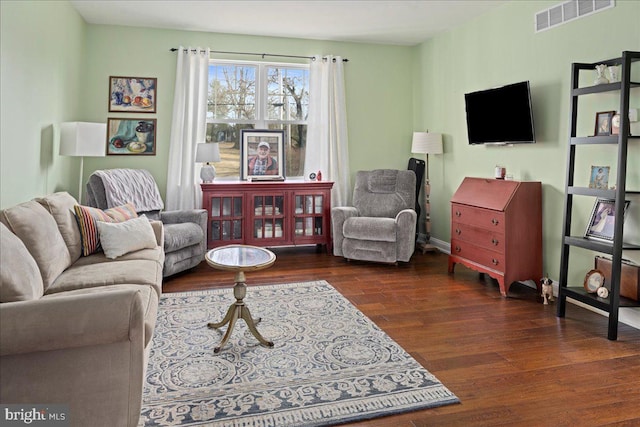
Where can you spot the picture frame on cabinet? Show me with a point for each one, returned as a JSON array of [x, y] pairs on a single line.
[[132, 94], [602, 220], [599, 177], [603, 123], [262, 154]]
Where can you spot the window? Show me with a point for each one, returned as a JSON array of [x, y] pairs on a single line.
[[255, 95]]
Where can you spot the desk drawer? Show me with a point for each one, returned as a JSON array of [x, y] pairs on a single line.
[[478, 217], [488, 258], [489, 239]]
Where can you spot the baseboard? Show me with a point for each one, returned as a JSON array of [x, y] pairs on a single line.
[[628, 315]]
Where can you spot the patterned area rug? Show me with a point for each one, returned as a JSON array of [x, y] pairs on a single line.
[[330, 363]]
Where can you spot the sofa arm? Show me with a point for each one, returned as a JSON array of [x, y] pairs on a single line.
[[339, 215], [158, 231], [59, 322], [406, 234]]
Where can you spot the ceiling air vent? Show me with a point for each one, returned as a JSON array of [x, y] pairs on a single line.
[[568, 11]]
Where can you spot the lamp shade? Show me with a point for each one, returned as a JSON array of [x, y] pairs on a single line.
[[83, 139], [207, 152], [426, 143]]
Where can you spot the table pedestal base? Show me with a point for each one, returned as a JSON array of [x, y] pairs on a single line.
[[238, 310]]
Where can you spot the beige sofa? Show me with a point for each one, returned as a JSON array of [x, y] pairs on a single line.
[[74, 330]]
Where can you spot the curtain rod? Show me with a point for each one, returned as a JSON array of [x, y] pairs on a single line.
[[173, 49]]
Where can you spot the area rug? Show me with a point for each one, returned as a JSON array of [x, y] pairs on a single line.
[[330, 363]]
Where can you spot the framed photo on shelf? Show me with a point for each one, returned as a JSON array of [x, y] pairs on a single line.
[[262, 154], [603, 123], [602, 220], [131, 136], [615, 125], [599, 177], [132, 94]]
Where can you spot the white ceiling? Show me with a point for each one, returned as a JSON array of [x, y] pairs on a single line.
[[396, 22]]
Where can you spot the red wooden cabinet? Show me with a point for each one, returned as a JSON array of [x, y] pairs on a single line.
[[496, 228], [268, 213]]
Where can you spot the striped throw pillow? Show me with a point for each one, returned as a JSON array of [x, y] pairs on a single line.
[[87, 217]]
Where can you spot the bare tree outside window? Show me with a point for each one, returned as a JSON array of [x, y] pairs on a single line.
[[239, 100]]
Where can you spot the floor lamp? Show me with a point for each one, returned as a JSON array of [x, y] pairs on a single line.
[[426, 143], [82, 139]]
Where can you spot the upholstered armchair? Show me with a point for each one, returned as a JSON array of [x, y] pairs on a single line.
[[381, 224], [185, 231]]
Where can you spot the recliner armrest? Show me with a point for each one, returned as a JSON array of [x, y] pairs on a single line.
[[406, 232], [199, 216], [72, 321], [339, 215]]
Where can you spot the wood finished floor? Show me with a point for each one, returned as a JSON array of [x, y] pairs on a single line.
[[510, 361]]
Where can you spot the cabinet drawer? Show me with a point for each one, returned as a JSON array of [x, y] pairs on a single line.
[[489, 239], [482, 256], [478, 217]]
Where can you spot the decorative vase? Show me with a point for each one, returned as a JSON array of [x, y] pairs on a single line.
[[613, 74], [600, 78]]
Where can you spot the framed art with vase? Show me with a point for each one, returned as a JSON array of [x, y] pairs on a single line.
[[131, 136], [132, 94]]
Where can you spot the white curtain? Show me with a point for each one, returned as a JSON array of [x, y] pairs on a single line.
[[327, 144], [188, 128]]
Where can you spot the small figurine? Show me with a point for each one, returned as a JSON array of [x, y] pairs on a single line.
[[547, 290]]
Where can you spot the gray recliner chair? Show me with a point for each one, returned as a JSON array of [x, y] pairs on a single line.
[[381, 224], [185, 231]]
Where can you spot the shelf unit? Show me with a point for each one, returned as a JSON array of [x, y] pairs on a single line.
[[619, 194], [268, 213]]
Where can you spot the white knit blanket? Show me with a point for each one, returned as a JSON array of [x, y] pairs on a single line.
[[136, 186]]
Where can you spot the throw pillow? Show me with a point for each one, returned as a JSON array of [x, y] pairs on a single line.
[[87, 218], [121, 238]]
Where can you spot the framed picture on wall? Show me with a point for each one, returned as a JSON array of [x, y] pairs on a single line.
[[131, 136], [132, 94], [262, 154]]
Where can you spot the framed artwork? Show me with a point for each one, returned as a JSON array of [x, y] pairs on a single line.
[[602, 220], [599, 177], [262, 154], [131, 136], [603, 123], [615, 125], [132, 94]]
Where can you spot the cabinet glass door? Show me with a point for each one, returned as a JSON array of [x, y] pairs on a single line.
[[226, 219], [308, 214], [268, 214]]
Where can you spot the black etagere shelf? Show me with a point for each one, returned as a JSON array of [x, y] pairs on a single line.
[[614, 301]]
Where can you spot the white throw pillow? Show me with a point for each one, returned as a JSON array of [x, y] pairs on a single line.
[[123, 237]]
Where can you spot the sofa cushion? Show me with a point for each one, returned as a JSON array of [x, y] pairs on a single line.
[[20, 279], [39, 232], [372, 229], [178, 236], [112, 272], [121, 238], [60, 206], [87, 217]]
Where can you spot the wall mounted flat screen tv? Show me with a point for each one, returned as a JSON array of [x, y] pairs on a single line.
[[500, 115]]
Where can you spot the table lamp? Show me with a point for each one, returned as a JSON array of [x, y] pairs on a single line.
[[207, 152], [427, 143], [83, 139]]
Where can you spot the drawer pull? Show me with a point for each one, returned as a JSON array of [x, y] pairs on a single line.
[[458, 231], [458, 214], [458, 249], [494, 241], [494, 221], [494, 261]]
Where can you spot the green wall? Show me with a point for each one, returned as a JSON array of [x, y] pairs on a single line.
[[501, 48], [42, 46]]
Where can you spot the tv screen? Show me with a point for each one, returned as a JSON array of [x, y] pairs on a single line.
[[500, 115]]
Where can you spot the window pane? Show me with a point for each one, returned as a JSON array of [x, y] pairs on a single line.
[[294, 147], [228, 136], [232, 92], [287, 93]]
